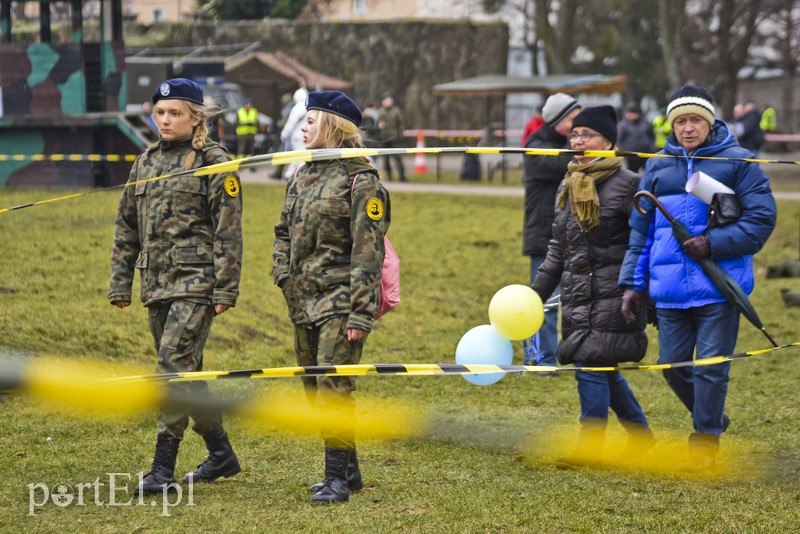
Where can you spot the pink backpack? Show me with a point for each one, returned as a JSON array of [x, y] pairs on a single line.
[[390, 274]]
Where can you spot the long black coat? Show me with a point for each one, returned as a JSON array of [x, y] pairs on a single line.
[[541, 177], [587, 264]]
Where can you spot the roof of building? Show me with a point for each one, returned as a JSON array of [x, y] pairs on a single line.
[[500, 84], [289, 67]]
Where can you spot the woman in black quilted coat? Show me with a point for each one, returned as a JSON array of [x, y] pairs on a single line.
[[590, 237]]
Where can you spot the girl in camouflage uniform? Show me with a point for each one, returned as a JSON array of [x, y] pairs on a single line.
[[184, 234], [327, 257]]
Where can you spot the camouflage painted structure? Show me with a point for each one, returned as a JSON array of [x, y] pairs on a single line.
[[63, 95]]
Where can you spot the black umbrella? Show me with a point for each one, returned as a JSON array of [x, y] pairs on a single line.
[[726, 285]]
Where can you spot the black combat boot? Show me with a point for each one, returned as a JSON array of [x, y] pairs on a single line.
[[162, 472], [334, 487], [221, 461], [354, 481]]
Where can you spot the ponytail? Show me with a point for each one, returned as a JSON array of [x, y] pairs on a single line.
[[200, 131]]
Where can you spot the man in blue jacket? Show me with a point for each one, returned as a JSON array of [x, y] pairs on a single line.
[[692, 314]]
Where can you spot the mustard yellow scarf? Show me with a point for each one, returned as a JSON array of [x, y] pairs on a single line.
[[580, 187]]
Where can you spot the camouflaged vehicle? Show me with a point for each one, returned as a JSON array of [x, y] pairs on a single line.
[[64, 94]]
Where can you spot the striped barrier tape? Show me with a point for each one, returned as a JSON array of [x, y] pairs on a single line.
[[327, 154], [786, 138], [457, 135], [443, 134], [428, 369], [68, 157]]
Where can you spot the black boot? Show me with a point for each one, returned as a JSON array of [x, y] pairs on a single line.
[[221, 461], [334, 487], [162, 472], [354, 481]]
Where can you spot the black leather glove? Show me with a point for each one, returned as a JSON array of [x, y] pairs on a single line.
[[697, 248], [632, 301], [650, 309]]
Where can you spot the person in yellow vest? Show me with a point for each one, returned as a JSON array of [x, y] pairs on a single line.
[[769, 119], [246, 129], [662, 128]]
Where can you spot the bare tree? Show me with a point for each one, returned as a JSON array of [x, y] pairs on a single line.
[[719, 35], [548, 28], [735, 32], [789, 15], [779, 47], [557, 38], [672, 18]]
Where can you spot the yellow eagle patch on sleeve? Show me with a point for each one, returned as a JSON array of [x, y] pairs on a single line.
[[232, 186], [374, 209]]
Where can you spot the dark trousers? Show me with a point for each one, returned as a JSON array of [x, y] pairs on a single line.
[[327, 344], [180, 329], [387, 161]]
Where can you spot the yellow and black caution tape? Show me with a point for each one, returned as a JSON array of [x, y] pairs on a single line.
[[69, 157], [326, 154], [278, 158], [428, 369], [81, 388]]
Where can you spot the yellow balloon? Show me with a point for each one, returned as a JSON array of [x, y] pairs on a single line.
[[516, 312]]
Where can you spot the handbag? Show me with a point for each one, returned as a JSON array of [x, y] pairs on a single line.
[[724, 209]]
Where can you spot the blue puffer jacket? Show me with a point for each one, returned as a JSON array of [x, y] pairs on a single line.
[[655, 259]]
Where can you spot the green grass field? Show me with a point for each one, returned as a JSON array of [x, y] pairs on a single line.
[[484, 465]]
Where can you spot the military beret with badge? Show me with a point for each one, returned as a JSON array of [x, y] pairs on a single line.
[[179, 89]]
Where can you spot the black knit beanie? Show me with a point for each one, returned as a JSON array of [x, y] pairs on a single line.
[[602, 119]]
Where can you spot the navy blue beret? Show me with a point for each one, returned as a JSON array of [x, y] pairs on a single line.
[[335, 102], [178, 89]]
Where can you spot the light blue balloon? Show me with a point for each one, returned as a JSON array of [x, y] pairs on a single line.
[[484, 345]]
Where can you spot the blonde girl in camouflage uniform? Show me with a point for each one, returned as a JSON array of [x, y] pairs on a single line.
[[185, 237], [327, 257]]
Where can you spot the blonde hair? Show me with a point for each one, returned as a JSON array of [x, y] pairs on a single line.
[[197, 111], [338, 132]]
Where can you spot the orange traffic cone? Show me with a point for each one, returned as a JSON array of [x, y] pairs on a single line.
[[420, 166]]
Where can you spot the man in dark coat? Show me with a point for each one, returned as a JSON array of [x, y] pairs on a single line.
[[635, 135], [541, 178], [751, 136]]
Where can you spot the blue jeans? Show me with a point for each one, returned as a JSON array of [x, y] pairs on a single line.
[[712, 329], [598, 391], [548, 333]]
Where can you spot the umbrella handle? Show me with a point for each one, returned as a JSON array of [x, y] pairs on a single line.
[[652, 198]]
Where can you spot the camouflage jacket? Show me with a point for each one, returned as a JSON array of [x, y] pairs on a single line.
[[329, 249], [392, 119], [184, 234]]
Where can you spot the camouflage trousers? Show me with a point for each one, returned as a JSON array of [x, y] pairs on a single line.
[[327, 344], [180, 329]]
